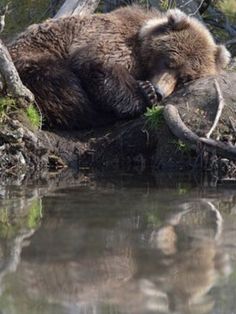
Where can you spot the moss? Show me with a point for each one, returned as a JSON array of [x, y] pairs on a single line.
[[7, 105], [155, 117], [33, 116], [10, 107]]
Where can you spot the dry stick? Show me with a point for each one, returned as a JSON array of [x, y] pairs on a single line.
[[180, 130], [198, 8], [219, 110]]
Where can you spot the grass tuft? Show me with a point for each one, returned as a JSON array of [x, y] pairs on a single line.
[[155, 117], [33, 116], [7, 105]]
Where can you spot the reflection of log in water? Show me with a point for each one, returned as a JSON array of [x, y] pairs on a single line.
[[11, 262], [18, 219], [90, 262], [193, 261]]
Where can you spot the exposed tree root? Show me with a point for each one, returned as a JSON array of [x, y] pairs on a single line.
[[179, 129]]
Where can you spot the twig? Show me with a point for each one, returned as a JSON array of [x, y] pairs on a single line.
[[184, 4], [219, 218], [219, 110], [198, 8]]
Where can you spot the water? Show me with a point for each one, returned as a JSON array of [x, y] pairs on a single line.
[[124, 244]]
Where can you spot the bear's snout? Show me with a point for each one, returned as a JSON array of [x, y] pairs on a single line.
[[164, 84]]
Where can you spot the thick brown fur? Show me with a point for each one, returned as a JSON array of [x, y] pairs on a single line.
[[84, 72]]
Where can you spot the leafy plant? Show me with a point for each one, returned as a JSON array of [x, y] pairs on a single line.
[[155, 117]]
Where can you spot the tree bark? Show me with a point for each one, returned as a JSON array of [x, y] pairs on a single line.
[[10, 77], [77, 7]]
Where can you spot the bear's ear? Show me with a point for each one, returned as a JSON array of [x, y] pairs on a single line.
[[177, 19], [151, 26], [223, 56]]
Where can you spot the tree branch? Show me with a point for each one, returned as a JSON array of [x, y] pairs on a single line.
[[221, 105]]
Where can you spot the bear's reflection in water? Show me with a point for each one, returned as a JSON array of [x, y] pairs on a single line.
[[92, 265]]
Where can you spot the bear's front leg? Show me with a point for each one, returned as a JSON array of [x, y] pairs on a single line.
[[114, 90]]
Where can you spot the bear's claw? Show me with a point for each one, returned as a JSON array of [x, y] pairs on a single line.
[[149, 91]]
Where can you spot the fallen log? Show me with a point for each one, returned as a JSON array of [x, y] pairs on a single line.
[[134, 143]]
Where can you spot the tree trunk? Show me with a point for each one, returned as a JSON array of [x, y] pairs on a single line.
[[10, 77], [77, 7]]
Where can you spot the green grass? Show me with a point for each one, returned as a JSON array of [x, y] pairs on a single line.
[[33, 116], [154, 116]]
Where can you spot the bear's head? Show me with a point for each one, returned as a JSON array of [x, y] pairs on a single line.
[[176, 48]]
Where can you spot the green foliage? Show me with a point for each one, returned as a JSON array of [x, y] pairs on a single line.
[[181, 146], [155, 117], [33, 116], [7, 105]]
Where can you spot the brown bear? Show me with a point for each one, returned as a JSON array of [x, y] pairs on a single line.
[[86, 71]]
